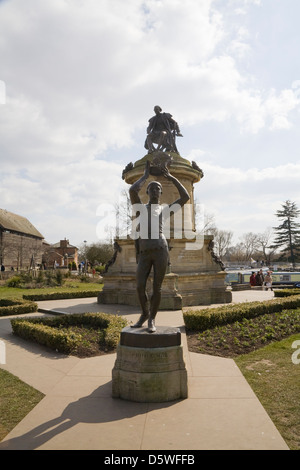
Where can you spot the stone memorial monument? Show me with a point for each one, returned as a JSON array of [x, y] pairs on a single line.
[[194, 276], [150, 365]]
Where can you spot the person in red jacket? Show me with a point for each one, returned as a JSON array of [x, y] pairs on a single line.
[[253, 279]]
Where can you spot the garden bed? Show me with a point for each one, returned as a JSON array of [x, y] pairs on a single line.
[[16, 307], [206, 318], [58, 295], [246, 335], [80, 335]]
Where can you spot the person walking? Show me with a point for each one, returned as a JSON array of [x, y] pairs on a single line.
[[268, 281]]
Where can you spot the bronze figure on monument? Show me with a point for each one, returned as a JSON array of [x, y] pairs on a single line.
[[162, 130], [152, 246], [194, 275]]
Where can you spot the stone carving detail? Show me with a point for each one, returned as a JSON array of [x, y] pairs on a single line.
[[127, 168], [160, 161], [217, 260], [117, 249], [196, 167]]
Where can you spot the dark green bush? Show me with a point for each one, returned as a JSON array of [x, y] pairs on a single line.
[[15, 281], [8, 302], [203, 319], [46, 330], [286, 292], [16, 307], [61, 295], [59, 278]]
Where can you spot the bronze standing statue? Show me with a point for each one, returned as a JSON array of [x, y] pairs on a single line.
[[162, 130], [152, 250]]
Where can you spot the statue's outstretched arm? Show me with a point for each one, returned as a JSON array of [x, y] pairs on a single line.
[[136, 187], [184, 195]]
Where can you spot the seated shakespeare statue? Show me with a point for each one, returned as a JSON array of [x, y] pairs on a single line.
[[162, 130], [152, 246]]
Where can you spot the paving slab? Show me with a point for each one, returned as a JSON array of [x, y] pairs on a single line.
[[79, 413]]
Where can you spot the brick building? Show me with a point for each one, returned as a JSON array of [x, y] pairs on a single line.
[[21, 244], [60, 254]]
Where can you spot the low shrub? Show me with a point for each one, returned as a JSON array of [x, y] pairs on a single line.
[[286, 292], [8, 302], [16, 307], [57, 333], [14, 281], [203, 319], [61, 295]]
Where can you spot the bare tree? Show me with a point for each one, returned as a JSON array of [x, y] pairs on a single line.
[[237, 253], [123, 212], [222, 240], [264, 241], [204, 221], [250, 243]]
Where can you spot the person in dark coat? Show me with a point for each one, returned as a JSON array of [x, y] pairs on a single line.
[[259, 278], [253, 279]]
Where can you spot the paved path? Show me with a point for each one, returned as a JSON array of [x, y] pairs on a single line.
[[78, 412]]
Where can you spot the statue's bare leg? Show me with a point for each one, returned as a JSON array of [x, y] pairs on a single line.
[[160, 264], [151, 147], [142, 273]]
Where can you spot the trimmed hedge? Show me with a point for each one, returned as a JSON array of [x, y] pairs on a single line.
[[46, 330], [204, 319], [286, 292], [16, 307], [61, 295]]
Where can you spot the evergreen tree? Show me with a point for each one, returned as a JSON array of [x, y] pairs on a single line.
[[288, 232]]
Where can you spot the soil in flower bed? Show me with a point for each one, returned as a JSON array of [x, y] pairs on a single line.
[[91, 343], [244, 336]]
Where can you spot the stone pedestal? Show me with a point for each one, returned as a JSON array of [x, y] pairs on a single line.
[[195, 278], [149, 366]]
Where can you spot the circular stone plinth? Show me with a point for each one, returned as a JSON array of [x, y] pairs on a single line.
[[163, 337]]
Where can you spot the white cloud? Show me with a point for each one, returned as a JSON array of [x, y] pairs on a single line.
[[82, 78], [246, 201]]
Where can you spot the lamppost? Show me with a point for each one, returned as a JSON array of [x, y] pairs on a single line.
[[85, 262]]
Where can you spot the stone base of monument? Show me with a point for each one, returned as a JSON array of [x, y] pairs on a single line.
[[150, 366], [196, 278]]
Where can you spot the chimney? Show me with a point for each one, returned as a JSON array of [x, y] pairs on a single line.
[[64, 243]]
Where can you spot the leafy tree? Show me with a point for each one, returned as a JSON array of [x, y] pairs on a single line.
[[96, 253], [288, 232]]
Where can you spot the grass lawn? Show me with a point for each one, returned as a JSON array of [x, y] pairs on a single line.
[[16, 400], [69, 285], [275, 379]]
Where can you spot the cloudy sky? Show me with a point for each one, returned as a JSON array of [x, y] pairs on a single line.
[[79, 80]]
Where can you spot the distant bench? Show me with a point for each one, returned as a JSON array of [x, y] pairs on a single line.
[[236, 287]]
